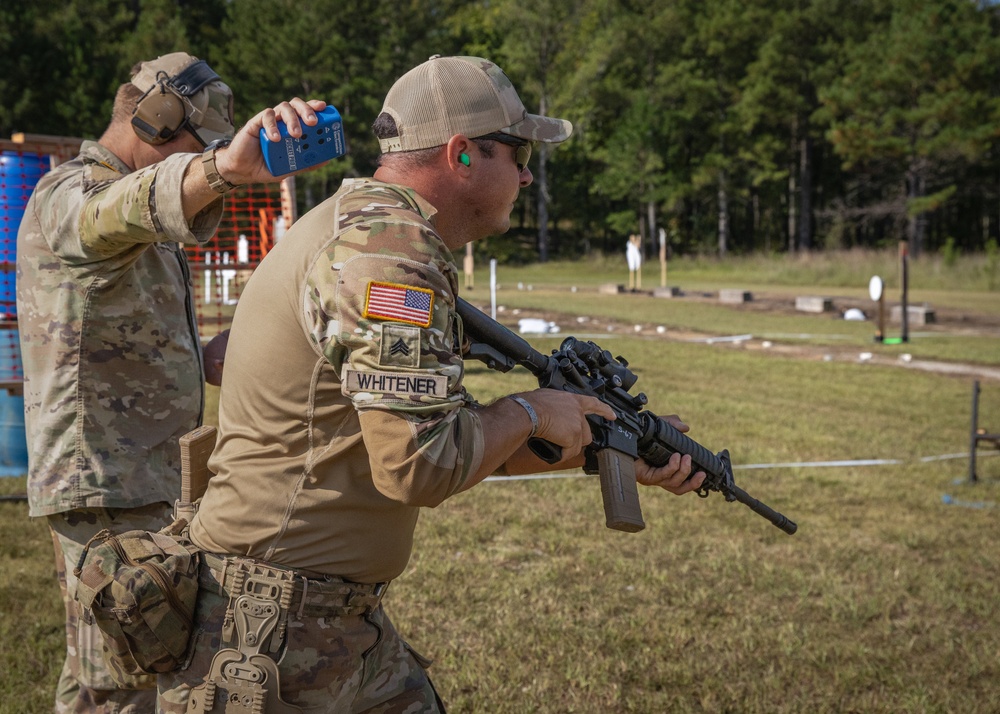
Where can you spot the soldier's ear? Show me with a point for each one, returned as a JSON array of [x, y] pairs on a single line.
[[458, 152]]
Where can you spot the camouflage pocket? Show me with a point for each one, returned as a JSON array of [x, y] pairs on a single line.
[[142, 589]]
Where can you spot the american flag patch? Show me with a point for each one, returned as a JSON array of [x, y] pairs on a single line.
[[402, 303]]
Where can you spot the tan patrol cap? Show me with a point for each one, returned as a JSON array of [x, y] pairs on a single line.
[[208, 100], [461, 95]]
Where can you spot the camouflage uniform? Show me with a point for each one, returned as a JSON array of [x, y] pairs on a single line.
[[112, 358], [342, 413]]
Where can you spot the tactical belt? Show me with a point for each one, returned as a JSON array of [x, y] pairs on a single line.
[[244, 677], [315, 596]]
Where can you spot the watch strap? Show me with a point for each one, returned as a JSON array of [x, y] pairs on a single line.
[[212, 175]]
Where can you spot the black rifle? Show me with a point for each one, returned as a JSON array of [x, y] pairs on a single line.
[[584, 368]]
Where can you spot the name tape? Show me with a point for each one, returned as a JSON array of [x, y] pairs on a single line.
[[396, 383]]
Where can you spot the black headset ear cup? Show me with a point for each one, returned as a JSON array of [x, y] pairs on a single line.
[[159, 115]]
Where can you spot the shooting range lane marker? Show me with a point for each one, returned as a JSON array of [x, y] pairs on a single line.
[[789, 465]]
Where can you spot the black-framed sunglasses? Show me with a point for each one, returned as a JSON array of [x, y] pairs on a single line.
[[523, 147]]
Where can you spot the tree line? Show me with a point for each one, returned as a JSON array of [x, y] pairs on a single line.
[[720, 125]]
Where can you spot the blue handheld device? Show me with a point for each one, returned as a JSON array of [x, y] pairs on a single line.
[[318, 144]]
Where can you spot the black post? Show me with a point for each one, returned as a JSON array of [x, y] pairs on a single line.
[[974, 432], [880, 337]]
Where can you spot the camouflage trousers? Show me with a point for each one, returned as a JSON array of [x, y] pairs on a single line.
[[86, 683], [330, 661]]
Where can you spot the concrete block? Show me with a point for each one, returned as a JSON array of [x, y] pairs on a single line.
[[730, 296], [808, 303], [666, 292], [915, 314], [610, 289]]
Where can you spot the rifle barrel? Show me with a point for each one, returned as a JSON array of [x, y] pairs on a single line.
[[782, 522], [659, 440]]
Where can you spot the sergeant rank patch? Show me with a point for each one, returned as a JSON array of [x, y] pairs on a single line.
[[400, 346], [401, 303]]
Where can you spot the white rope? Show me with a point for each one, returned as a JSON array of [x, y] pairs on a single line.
[[787, 465]]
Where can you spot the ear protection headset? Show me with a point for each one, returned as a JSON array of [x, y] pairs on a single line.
[[464, 159], [163, 111]]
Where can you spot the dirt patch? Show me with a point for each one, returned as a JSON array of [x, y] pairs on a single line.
[[947, 321]]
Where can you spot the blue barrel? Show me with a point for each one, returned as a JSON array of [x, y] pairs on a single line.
[[19, 172], [13, 440], [13, 445]]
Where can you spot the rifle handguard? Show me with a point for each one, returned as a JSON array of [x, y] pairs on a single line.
[[584, 368]]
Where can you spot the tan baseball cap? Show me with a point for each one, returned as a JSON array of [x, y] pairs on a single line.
[[208, 100], [461, 95]]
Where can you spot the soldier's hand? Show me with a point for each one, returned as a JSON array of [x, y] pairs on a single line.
[[562, 418], [242, 162], [675, 475]]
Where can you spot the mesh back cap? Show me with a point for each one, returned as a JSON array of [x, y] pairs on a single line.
[[461, 95], [209, 110]]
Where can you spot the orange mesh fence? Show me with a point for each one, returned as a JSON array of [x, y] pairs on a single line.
[[251, 224]]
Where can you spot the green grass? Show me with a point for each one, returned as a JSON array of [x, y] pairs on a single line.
[[31, 623], [884, 601]]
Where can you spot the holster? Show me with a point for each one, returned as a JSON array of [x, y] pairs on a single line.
[[244, 676]]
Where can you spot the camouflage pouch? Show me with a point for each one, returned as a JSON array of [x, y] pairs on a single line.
[[142, 589]]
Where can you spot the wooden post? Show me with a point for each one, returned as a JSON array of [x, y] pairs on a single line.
[[289, 211], [468, 266], [663, 258]]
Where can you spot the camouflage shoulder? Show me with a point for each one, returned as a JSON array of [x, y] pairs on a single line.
[[96, 174]]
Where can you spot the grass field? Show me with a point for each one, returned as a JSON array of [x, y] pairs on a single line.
[[884, 601]]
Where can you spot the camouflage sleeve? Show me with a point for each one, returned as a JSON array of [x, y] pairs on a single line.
[[422, 461], [386, 323], [99, 213]]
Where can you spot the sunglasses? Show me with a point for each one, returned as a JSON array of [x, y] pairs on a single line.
[[523, 147]]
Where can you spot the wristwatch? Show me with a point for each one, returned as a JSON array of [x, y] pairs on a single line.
[[212, 174]]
